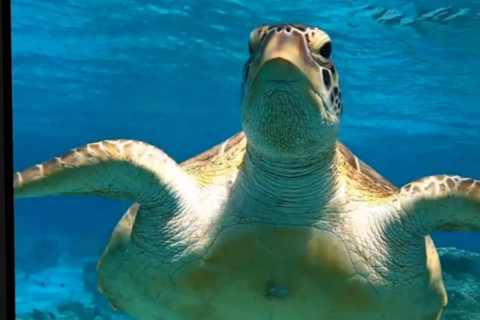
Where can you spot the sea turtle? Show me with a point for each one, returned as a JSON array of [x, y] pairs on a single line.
[[280, 221]]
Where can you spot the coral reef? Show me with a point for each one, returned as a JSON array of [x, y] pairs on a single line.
[[77, 311], [461, 273]]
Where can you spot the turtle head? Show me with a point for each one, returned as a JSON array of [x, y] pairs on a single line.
[[291, 100]]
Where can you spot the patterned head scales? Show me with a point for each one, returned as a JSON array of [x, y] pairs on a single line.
[[291, 99], [315, 47]]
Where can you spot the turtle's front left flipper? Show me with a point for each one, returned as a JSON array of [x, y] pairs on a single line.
[[440, 202], [123, 169]]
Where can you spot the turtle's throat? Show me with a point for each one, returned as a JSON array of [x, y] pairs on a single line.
[[287, 119], [289, 186]]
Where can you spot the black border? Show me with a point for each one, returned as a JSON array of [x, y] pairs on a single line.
[[7, 304]]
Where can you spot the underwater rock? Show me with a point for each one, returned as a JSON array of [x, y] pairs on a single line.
[[41, 255], [461, 274], [89, 276], [36, 314], [77, 310]]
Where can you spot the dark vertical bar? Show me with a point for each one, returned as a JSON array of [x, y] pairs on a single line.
[[7, 306]]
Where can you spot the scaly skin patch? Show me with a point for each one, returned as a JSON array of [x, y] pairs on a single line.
[[280, 270], [219, 164], [442, 202]]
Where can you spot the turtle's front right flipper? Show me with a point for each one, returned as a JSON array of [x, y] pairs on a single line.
[[440, 202], [123, 169]]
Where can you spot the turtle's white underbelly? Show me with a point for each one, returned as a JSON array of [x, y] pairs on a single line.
[[260, 271]]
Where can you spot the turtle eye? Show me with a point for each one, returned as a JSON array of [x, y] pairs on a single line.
[[326, 50]]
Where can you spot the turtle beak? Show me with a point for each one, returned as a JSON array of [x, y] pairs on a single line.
[[284, 60], [283, 57]]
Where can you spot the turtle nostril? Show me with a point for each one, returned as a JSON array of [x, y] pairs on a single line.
[[301, 28], [288, 29], [279, 28]]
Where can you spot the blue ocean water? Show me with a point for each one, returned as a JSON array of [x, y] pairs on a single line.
[[169, 72]]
